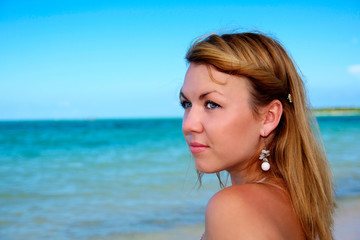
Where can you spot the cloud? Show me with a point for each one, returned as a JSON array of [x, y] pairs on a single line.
[[354, 70], [64, 104]]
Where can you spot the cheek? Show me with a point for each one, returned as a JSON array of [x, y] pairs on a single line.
[[239, 139]]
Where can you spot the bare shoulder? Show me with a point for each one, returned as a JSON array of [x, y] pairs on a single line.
[[251, 211], [235, 198]]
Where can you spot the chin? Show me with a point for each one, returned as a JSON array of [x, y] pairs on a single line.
[[205, 169]]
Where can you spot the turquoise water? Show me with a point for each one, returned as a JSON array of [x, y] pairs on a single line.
[[97, 179], [341, 138]]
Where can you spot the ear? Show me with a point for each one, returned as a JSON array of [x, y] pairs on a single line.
[[271, 117]]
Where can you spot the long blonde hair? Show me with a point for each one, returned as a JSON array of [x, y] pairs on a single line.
[[297, 155]]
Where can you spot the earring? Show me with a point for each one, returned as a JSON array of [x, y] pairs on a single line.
[[265, 165]]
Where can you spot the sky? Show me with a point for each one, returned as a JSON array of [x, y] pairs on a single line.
[[125, 59]]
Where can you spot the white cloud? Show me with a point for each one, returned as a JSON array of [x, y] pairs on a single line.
[[354, 70], [64, 104]]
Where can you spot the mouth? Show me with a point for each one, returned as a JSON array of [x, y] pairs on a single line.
[[197, 147]]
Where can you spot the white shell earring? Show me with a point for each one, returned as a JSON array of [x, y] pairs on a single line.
[[265, 165]]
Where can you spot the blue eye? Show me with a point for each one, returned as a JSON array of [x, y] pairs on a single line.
[[211, 105], [186, 104]]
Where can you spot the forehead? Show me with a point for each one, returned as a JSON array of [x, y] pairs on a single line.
[[201, 78]]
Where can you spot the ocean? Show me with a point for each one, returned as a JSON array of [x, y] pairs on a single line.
[[107, 179]]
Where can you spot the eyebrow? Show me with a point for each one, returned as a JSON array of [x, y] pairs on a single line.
[[202, 96]]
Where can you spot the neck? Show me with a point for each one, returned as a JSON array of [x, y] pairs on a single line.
[[237, 178], [246, 175]]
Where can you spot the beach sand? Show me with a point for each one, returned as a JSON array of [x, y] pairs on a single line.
[[347, 226], [347, 219], [178, 233]]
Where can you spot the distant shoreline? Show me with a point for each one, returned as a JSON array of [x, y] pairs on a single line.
[[337, 112]]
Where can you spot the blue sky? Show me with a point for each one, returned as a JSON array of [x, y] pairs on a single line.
[[116, 59]]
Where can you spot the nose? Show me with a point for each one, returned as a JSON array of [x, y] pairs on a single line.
[[192, 121]]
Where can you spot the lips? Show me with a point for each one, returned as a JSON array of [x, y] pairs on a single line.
[[197, 147]]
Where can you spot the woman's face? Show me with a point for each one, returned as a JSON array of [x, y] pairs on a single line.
[[218, 124]]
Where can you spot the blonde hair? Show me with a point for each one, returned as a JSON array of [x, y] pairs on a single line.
[[297, 155]]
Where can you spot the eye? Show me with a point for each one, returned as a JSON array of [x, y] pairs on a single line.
[[185, 104], [211, 105]]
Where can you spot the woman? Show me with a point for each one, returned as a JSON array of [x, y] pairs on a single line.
[[246, 113]]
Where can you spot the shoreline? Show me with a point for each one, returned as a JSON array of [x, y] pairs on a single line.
[[329, 112], [337, 114]]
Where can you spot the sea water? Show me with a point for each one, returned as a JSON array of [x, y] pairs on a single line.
[[103, 178]]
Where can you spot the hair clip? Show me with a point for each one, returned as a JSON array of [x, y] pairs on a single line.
[[289, 98]]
